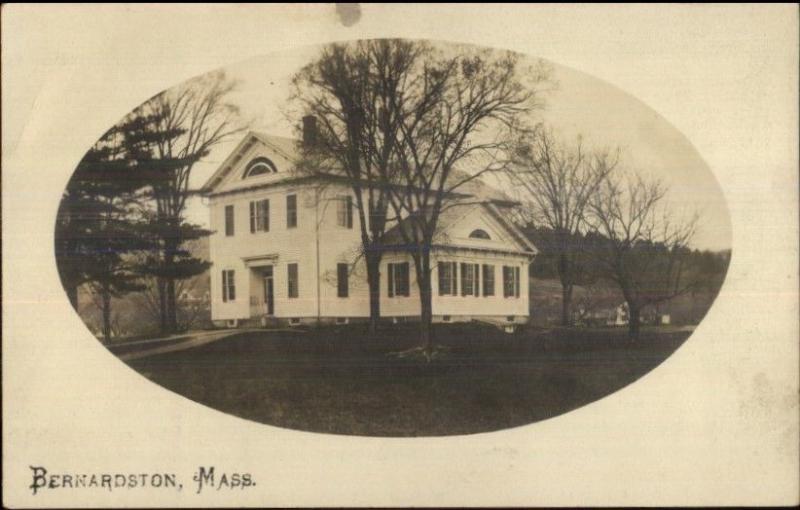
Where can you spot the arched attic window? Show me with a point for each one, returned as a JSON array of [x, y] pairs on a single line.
[[479, 234], [260, 166]]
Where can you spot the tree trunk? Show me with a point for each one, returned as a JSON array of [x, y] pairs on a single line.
[[374, 282], [634, 322], [106, 296], [566, 304], [426, 301], [162, 305], [172, 309]]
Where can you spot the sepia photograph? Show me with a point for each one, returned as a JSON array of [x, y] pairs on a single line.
[[384, 237], [392, 237]]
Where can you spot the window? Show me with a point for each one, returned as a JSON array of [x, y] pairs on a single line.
[[342, 289], [488, 280], [292, 282], [344, 211], [510, 281], [479, 234], [228, 285], [260, 166], [469, 279], [259, 216], [448, 281], [398, 279], [228, 220], [291, 211]]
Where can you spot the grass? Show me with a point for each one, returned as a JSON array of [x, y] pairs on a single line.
[[339, 380]]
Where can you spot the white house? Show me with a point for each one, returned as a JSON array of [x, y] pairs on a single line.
[[285, 248]]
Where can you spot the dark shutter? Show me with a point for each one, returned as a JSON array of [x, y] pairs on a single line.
[[442, 290], [349, 211], [390, 273], [293, 289], [252, 217], [224, 286], [402, 284], [291, 211], [464, 281], [341, 280], [229, 220], [516, 282]]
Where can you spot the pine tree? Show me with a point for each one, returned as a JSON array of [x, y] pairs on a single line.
[[96, 230]]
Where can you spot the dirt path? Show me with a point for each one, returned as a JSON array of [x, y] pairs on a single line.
[[192, 340]]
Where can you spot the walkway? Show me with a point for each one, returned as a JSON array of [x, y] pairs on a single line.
[[193, 339]]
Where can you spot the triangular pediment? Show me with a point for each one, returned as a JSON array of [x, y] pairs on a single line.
[[230, 175]]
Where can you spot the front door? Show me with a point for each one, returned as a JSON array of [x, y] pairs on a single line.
[[269, 292]]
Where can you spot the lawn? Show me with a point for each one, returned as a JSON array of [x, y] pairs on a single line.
[[338, 380]]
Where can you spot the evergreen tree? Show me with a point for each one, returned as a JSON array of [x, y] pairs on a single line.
[[96, 231]]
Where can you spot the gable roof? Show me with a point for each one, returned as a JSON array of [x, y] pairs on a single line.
[[449, 216], [285, 147], [288, 148]]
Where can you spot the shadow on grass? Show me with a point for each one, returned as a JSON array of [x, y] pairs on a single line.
[[342, 381]]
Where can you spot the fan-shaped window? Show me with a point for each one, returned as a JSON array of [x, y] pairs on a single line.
[[260, 166], [479, 234]]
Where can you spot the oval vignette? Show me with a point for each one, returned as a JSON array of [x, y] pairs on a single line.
[[571, 237]]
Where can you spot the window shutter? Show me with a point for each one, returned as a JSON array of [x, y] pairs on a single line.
[[516, 282], [229, 220], [349, 211], [463, 279], [231, 286], [440, 267], [266, 215], [390, 273], [224, 286], [252, 217], [476, 278], [342, 283], [404, 278], [454, 278]]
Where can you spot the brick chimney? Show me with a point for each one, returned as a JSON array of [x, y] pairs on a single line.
[[309, 131]]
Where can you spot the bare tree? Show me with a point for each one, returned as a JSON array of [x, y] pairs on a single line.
[[647, 248], [178, 128], [351, 125], [453, 110], [559, 180]]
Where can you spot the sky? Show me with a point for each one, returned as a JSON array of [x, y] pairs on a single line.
[[576, 104]]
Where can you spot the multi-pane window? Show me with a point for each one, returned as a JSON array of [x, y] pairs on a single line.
[[293, 283], [510, 281], [228, 220], [228, 285], [469, 279], [342, 289], [448, 282], [398, 279], [259, 216], [488, 280], [344, 211], [291, 211]]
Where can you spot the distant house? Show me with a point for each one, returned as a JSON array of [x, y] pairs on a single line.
[[285, 248]]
